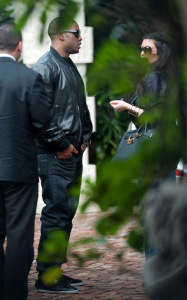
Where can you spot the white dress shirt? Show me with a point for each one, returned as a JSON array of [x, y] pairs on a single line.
[[7, 55]]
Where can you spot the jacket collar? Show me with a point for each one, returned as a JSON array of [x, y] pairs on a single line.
[[66, 61], [6, 59], [7, 55]]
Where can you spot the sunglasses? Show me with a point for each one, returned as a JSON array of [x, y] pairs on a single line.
[[146, 50], [76, 33]]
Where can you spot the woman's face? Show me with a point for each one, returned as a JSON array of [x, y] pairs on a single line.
[[149, 50]]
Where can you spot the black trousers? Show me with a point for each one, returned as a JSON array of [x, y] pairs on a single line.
[[57, 176], [17, 214]]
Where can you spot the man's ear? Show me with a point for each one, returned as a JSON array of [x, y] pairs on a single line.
[[61, 36], [19, 47], [17, 51]]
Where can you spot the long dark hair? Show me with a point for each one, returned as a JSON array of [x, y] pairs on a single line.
[[164, 62]]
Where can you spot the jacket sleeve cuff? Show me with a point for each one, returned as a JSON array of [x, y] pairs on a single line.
[[63, 145]]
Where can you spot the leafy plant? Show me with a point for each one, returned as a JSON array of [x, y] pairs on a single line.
[[120, 187]]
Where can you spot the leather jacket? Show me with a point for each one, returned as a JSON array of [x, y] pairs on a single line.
[[71, 123]]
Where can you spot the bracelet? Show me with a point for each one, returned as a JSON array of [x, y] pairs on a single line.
[[137, 109], [134, 111]]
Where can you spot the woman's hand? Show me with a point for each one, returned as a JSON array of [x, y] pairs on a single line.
[[119, 105]]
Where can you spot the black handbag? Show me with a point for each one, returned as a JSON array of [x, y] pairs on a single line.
[[130, 143], [132, 139]]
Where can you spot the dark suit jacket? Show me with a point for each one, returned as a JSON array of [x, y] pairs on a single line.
[[24, 113]]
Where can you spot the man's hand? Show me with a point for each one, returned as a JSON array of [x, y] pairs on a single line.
[[66, 154], [83, 147]]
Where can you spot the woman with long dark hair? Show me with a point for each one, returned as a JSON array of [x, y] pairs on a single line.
[[155, 48], [158, 53]]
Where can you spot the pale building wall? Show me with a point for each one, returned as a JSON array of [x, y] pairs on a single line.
[[33, 49]]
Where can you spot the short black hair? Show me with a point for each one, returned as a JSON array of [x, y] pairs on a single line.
[[57, 25], [10, 36]]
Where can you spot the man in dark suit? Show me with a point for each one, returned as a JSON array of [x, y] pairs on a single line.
[[24, 114]]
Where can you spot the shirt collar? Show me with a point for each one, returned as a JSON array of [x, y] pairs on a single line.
[[7, 55]]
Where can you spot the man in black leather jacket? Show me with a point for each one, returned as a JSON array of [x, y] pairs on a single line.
[[61, 147]]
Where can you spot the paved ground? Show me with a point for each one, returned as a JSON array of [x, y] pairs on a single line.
[[107, 278]]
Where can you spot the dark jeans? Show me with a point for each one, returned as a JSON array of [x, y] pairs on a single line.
[[57, 177], [17, 214]]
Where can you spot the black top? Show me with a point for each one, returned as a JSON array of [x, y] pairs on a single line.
[[154, 86]]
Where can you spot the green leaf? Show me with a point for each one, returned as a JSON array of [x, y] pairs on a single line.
[[136, 240]]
